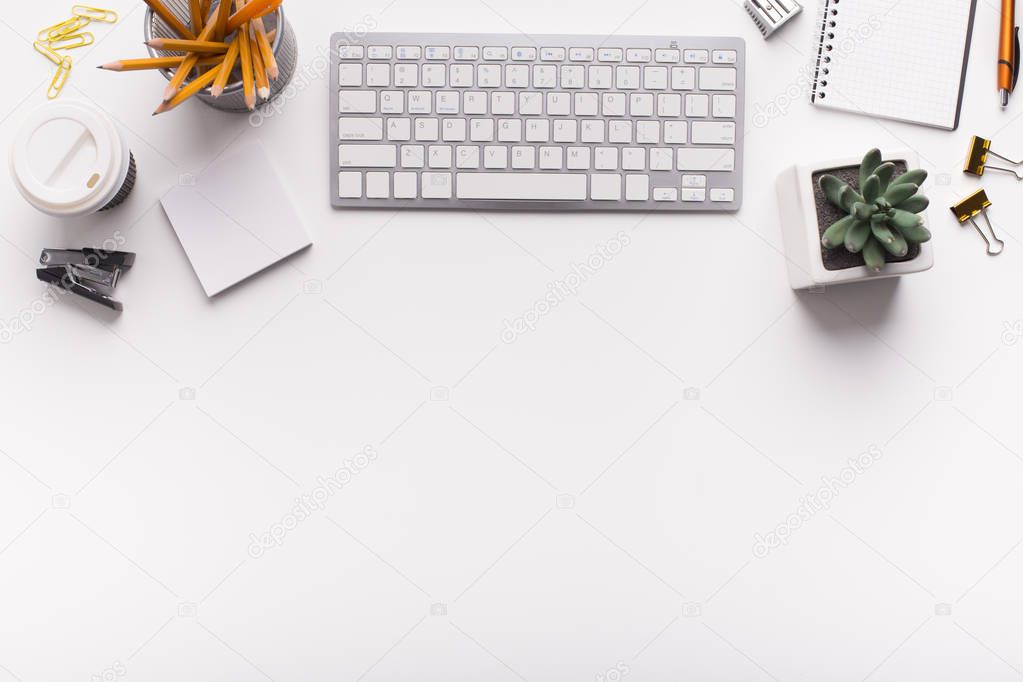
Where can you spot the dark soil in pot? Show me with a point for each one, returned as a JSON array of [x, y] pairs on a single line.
[[827, 213]]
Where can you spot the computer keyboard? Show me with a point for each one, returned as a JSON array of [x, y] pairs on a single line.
[[545, 122]]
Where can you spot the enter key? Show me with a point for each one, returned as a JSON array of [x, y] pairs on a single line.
[[713, 132]]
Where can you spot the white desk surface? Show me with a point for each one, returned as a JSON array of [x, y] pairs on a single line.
[[126, 508]]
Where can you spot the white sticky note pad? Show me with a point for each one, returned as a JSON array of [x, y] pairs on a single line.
[[236, 220]]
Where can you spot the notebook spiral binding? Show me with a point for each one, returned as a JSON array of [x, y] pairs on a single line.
[[828, 20]]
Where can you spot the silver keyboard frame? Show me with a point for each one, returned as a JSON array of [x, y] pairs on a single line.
[[716, 179]]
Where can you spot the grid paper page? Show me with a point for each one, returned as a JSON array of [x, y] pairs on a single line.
[[900, 59]]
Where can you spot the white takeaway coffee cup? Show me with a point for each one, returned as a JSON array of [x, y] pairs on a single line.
[[70, 159]]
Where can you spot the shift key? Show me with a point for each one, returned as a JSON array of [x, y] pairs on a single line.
[[367, 155]]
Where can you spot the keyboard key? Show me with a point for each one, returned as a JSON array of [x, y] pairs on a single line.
[[357, 128], [453, 130], [488, 75], [667, 56], [406, 75], [413, 156], [713, 132], [405, 185], [655, 77], [613, 104], [683, 78], [605, 187], [380, 51], [600, 77], [550, 158], [502, 103], [509, 130], [573, 77], [578, 158], [619, 132], [669, 106], [523, 158], [638, 55], [467, 156], [609, 54], [605, 158], [349, 51], [697, 106], [722, 195], [633, 158], [559, 104], [592, 131], [427, 129], [723, 106], [724, 56], [675, 132], [705, 159], [522, 186], [662, 159], [434, 75], [349, 185], [523, 54], [378, 75], [410, 52], [438, 52], [665, 194], [586, 104], [552, 54], [460, 75], [349, 75], [467, 53], [545, 76], [447, 102], [627, 77], [495, 53], [367, 155], [580, 54], [530, 103], [391, 102], [420, 102], [399, 129], [641, 104], [357, 102], [648, 132], [637, 187], [693, 195], [516, 76], [436, 185], [717, 78], [481, 129], [694, 181], [695, 56], [378, 185]]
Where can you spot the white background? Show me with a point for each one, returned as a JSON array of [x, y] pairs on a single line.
[[683, 402]]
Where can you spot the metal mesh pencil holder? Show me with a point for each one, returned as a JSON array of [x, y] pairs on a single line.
[[285, 48]]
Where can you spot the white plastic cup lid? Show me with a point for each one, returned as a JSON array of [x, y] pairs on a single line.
[[69, 158]]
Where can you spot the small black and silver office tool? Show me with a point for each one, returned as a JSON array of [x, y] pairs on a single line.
[[770, 15], [975, 205], [89, 273], [976, 160]]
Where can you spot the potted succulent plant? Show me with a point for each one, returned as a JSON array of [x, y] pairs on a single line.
[[852, 220]]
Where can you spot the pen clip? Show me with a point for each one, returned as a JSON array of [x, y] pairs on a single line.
[[1015, 59]]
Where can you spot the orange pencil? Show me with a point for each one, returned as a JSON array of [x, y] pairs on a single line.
[[259, 71], [187, 91], [195, 8], [155, 63], [252, 10], [245, 51], [223, 13], [224, 72], [168, 17], [175, 45], [186, 66], [266, 49]]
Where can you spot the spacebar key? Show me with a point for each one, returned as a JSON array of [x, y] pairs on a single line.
[[522, 186]]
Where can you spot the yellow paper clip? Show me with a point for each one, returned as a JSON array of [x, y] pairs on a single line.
[[44, 49], [976, 160], [95, 13], [975, 205], [72, 40], [72, 25], [44, 35], [59, 78]]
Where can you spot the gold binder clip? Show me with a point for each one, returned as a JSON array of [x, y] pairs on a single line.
[[95, 13], [72, 40], [44, 49], [59, 78], [976, 161], [72, 25], [976, 205]]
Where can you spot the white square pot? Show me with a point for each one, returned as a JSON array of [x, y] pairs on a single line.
[[802, 237]]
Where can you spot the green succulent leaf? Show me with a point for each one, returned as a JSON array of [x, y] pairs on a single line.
[[915, 234], [896, 194], [871, 189], [869, 164], [873, 255], [882, 232], [915, 204], [849, 199], [884, 173], [857, 236], [912, 177], [832, 188], [903, 220], [898, 246], [835, 235], [862, 211]]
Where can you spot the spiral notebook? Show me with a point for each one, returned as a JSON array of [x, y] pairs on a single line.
[[899, 59]]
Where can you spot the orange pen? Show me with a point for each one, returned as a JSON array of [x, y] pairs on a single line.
[[1008, 51]]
